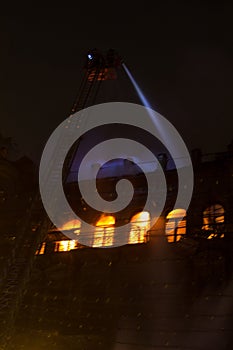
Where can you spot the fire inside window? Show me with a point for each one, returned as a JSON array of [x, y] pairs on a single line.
[[213, 220], [176, 225], [104, 234]]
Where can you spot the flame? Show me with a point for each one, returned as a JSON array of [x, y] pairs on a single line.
[[140, 224], [106, 221], [104, 232]]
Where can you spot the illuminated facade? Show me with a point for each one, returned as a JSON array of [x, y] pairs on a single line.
[[207, 217], [154, 292], [176, 278]]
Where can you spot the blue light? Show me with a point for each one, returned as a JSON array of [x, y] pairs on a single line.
[[137, 88], [146, 103], [90, 56]]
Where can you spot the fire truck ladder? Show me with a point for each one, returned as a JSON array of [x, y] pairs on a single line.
[[86, 97], [13, 286]]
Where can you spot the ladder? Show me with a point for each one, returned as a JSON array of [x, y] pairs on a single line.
[[12, 288]]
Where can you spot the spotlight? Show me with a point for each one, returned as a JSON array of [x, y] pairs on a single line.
[[90, 56]]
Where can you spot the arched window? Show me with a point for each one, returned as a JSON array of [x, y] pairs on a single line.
[[104, 231], [213, 219], [140, 224], [175, 225]]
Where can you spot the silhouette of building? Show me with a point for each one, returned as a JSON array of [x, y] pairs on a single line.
[[169, 287]]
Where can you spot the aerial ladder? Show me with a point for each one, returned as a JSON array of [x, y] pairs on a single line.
[[98, 67]]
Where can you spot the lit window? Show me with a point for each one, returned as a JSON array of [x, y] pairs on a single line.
[[72, 225], [140, 224], [41, 249], [104, 231], [213, 219], [175, 225], [65, 246]]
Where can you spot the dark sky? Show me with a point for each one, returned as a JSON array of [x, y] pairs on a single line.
[[179, 52]]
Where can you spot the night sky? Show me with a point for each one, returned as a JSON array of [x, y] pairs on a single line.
[[180, 53]]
